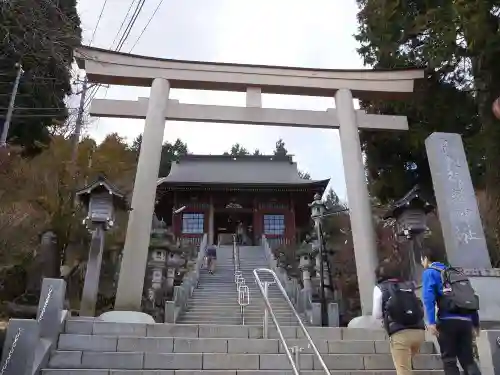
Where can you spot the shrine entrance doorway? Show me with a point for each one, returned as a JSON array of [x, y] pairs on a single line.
[[226, 224]]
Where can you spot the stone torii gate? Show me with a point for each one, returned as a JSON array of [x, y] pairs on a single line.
[[109, 67]]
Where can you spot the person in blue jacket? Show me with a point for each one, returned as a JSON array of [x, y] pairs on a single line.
[[455, 332]]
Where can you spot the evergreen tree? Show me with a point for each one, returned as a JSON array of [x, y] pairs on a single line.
[[40, 35], [441, 37], [237, 150], [171, 152], [459, 43], [136, 145]]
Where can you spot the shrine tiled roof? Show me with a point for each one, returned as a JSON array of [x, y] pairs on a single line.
[[243, 170]]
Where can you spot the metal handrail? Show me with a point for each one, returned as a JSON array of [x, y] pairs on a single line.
[[243, 293], [243, 300], [236, 254], [275, 321]]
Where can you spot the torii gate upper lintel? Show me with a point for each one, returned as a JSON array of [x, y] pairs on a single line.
[[109, 67]]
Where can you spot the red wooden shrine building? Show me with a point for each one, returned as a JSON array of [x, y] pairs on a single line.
[[259, 194]]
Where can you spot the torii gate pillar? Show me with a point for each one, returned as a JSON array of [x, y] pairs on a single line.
[[363, 234], [131, 282]]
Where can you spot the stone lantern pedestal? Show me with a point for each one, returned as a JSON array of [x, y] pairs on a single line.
[[101, 201]]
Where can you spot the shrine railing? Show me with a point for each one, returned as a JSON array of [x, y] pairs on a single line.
[[301, 298], [183, 292]]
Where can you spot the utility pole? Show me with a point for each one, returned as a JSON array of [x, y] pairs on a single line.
[[78, 126], [10, 110]]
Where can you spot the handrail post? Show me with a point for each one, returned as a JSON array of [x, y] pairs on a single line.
[[266, 313], [263, 290], [296, 350]]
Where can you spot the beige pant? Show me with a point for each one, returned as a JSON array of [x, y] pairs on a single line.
[[211, 263], [404, 345]]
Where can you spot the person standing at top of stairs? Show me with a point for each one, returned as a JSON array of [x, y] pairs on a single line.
[[239, 233], [211, 254]]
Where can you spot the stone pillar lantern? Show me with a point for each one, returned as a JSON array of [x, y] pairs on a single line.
[[160, 244], [304, 254], [317, 213], [315, 254], [317, 209], [327, 279], [410, 219], [101, 200]]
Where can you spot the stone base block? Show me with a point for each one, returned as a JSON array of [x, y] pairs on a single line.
[[126, 317], [365, 321], [489, 302]]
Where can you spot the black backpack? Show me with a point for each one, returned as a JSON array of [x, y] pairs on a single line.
[[458, 296], [403, 306]]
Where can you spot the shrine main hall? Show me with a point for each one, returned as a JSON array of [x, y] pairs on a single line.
[[217, 194]]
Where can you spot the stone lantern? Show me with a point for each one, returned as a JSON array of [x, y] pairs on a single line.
[[101, 200], [317, 213], [304, 253], [410, 216], [317, 208]]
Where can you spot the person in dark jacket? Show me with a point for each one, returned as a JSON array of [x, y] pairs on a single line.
[[455, 332], [405, 341]]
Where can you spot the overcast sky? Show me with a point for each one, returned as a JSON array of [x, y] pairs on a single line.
[[313, 33]]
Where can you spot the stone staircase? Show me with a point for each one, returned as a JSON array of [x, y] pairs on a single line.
[[100, 348], [215, 300], [215, 346]]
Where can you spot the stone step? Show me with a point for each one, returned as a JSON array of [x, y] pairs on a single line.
[[227, 372], [87, 327], [231, 295], [249, 315], [249, 308], [226, 268], [250, 320], [234, 320], [274, 301], [220, 315], [225, 361], [218, 345], [213, 306], [231, 287], [233, 301], [254, 306]]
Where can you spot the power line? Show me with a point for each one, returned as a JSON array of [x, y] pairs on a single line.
[[147, 24], [31, 78], [15, 115], [98, 21], [40, 109], [130, 25], [123, 22], [122, 40], [16, 95]]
